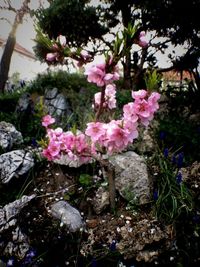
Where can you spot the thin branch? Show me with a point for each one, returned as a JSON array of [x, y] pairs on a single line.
[[8, 6], [7, 20]]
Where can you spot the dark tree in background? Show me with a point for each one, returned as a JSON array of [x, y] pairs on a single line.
[[81, 23], [74, 19], [177, 21]]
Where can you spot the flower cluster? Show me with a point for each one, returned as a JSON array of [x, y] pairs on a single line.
[[75, 146], [60, 50], [110, 137], [143, 108], [56, 49], [96, 73]]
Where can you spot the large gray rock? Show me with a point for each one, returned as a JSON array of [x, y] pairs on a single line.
[[131, 177], [56, 105], [146, 144], [25, 103], [9, 212], [14, 164], [68, 215], [66, 161], [9, 136]]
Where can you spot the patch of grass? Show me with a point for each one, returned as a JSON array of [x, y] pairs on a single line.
[[171, 195]]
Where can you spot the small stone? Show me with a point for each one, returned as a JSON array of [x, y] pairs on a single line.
[[70, 216], [92, 223]]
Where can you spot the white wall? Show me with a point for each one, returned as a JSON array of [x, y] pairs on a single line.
[[27, 67]]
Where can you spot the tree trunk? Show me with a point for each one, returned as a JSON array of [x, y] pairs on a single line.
[[5, 61], [10, 45], [127, 72], [126, 19]]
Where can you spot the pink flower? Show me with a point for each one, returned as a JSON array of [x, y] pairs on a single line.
[[47, 120], [109, 98], [143, 42], [131, 128], [97, 99], [51, 57], [54, 148], [95, 130], [68, 141], [52, 151], [46, 153], [117, 136], [142, 108], [97, 74], [112, 103], [110, 90], [129, 112], [140, 94], [80, 144], [85, 55], [62, 40], [153, 101]]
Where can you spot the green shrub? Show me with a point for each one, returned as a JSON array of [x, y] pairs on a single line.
[[177, 132], [8, 101], [78, 92], [60, 79]]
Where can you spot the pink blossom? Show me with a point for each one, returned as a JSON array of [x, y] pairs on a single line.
[[54, 148], [85, 55], [131, 128], [52, 151], [97, 99], [62, 40], [82, 148], [95, 130], [51, 57], [84, 58], [109, 98], [143, 42], [142, 108], [68, 141], [110, 90], [153, 101], [117, 136], [46, 154], [58, 131], [47, 120], [129, 112], [112, 103], [140, 94], [96, 73]]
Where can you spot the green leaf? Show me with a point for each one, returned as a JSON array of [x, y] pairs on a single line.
[[85, 179]]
